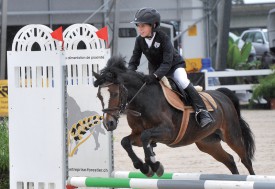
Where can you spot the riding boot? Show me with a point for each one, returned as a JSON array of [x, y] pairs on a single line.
[[202, 116]]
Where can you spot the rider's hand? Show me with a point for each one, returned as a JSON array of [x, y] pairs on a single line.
[[150, 79], [132, 68]]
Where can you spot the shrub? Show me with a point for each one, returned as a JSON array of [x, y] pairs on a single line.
[[4, 154], [266, 88]]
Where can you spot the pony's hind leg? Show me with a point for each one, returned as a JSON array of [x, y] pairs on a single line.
[[238, 146], [214, 148], [237, 133]]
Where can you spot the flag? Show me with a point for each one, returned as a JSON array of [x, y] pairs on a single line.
[[70, 187], [103, 34], [58, 35]]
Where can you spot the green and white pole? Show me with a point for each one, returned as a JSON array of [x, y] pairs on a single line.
[[129, 174], [196, 176], [99, 182], [165, 184]]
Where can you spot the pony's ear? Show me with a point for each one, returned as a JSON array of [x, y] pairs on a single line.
[[99, 79], [96, 75]]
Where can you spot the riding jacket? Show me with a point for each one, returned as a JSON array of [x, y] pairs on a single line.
[[163, 58]]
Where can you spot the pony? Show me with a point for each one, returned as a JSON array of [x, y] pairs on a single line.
[[153, 120]]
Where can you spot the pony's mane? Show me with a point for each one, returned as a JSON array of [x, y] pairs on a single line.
[[116, 63], [117, 72]]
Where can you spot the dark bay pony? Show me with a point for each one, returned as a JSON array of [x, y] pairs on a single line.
[[153, 120]]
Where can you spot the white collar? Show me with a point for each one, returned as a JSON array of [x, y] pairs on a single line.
[[150, 41]]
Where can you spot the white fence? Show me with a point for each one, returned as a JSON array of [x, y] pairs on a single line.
[[242, 90], [237, 73]]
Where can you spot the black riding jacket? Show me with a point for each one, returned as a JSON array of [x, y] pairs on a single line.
[[162, 57]]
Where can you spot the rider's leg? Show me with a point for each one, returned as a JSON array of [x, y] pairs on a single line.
[[203, 117]]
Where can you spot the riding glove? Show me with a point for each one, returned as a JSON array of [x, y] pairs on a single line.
[[150, 79], [132, 67]]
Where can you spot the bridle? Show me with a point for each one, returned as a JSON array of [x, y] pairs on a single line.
[[123, 104], [123, 94]]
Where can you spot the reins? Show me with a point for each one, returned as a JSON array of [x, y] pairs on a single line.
[[123, 107], [135, 113]]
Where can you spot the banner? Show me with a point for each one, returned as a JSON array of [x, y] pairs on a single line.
[[4, 98]]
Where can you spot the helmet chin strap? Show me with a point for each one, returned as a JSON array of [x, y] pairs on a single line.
[[152, 32]]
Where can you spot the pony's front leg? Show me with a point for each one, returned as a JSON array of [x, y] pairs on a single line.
[[154, 134], [126, 143]]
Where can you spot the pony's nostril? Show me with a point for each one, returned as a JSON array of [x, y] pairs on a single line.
[[111, 124]]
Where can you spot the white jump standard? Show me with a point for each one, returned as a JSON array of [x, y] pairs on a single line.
[[44, 87]]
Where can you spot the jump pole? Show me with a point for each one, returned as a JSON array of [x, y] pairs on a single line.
[[164, 184], [196, 176]]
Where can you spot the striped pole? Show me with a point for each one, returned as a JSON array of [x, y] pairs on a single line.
[[165, 184], [196, 176]]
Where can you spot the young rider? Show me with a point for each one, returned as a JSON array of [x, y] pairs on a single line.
[[163, 59]]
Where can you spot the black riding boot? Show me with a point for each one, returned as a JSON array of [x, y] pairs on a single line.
[[202, 116]]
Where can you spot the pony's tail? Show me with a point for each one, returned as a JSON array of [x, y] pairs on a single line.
[[248, 137]]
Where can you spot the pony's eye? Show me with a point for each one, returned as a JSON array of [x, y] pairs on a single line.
[[109, 74]]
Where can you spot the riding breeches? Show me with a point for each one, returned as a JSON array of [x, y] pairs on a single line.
[[180, 76]]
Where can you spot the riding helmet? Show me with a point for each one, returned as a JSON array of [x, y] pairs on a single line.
[[147, 16]]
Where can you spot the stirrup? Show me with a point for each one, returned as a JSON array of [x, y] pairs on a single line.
[[198, 112]]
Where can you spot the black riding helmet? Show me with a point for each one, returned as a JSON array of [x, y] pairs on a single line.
[[147, 16]]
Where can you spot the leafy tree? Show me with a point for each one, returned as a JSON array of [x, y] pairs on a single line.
[[237, 58]]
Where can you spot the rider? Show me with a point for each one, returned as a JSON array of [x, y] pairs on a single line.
[[163, 59]]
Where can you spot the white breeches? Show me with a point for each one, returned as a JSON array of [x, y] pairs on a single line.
[[180, 76]]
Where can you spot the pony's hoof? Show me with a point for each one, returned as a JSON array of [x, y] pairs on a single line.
[[160, 170], [146, 170], [150, 173]]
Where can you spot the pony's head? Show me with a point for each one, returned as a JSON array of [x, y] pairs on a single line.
[[112, 92], [113, 71]]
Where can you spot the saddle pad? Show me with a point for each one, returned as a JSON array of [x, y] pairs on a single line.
[[174, 99]]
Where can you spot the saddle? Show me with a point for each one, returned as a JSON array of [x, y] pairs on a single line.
[[181, 103]]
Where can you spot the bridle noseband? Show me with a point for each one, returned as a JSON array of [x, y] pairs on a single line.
[[123, 104]]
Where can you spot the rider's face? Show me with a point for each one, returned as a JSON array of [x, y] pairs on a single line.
[[144, 30]]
